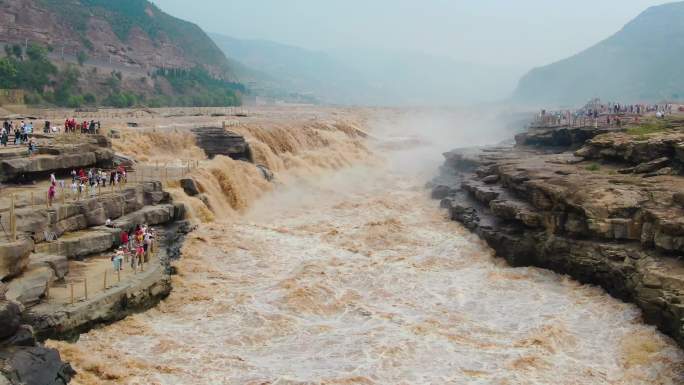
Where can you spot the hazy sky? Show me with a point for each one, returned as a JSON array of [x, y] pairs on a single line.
[[511, 33]]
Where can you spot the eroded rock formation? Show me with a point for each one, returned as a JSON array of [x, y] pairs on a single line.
[[22, 359], [609, 213], [93, 150], [218, 141]]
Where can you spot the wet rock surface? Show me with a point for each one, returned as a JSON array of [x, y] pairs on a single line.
[[606, 213], [218, 141]]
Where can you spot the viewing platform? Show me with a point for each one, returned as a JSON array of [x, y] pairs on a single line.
[[56, 254]]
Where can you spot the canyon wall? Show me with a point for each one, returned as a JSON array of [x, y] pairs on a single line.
[[604, 207]]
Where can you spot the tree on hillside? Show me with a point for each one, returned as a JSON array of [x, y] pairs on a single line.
[[82, 57], [17, 51], [67, 86]]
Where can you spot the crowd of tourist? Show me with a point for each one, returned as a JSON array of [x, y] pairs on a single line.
[[22, 135], [596, 112], [136, 247], [22, 132], [84, 183], [85, 127]]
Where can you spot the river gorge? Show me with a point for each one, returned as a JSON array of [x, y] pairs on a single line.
[[346, 272]]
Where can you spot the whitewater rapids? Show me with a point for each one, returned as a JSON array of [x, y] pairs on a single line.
[[356, 277]]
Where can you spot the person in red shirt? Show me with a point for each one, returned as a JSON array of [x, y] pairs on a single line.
[[124, 238]]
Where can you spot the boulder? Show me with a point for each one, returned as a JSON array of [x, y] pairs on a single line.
[[23, 336], [678, 198], [189, 186], [651, 166], [268, 174], [491, 179], [14, 257], [31, 286], [153, 193], [35, 365], [440, 192], [662, 172], [58, 263], [179, 211], [10, 318], [218, 141]]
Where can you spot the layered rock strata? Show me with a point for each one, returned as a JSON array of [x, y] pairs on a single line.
[[55, 157], [610, 213]]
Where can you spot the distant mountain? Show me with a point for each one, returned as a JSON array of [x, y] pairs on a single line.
[[642, 62], [409, 78], [281, 70], [364, 77]]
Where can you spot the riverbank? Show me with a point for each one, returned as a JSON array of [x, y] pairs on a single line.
[[55, 253], [343, 271], [602, 206]]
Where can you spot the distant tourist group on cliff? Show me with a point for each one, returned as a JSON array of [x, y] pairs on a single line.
[[595, 112], [136, 247], [83, 181], [92, 127], [21, 133]]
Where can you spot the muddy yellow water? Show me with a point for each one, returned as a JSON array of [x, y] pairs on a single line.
[[354, 276]]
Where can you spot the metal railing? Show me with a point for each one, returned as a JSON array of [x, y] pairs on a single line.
[[159, 172], [70, 291]]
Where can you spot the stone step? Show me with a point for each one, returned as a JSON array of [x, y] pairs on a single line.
[[58, 263], [83, 243], [31, 285], [80, 244], [14, 257], [80, 215]]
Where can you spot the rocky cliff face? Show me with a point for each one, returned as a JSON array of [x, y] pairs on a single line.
[[610, 213], [133, 34]]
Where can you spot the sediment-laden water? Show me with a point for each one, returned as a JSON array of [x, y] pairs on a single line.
[[356, 277]]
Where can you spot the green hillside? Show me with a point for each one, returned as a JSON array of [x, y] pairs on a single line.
[[643, 62], [123, 15], [199, 74]]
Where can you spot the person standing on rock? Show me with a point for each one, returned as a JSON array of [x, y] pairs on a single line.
[[51, 193], [123, 237], [31, 148], [148, 238], [131, 241], [117, 260], [139, 255]]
